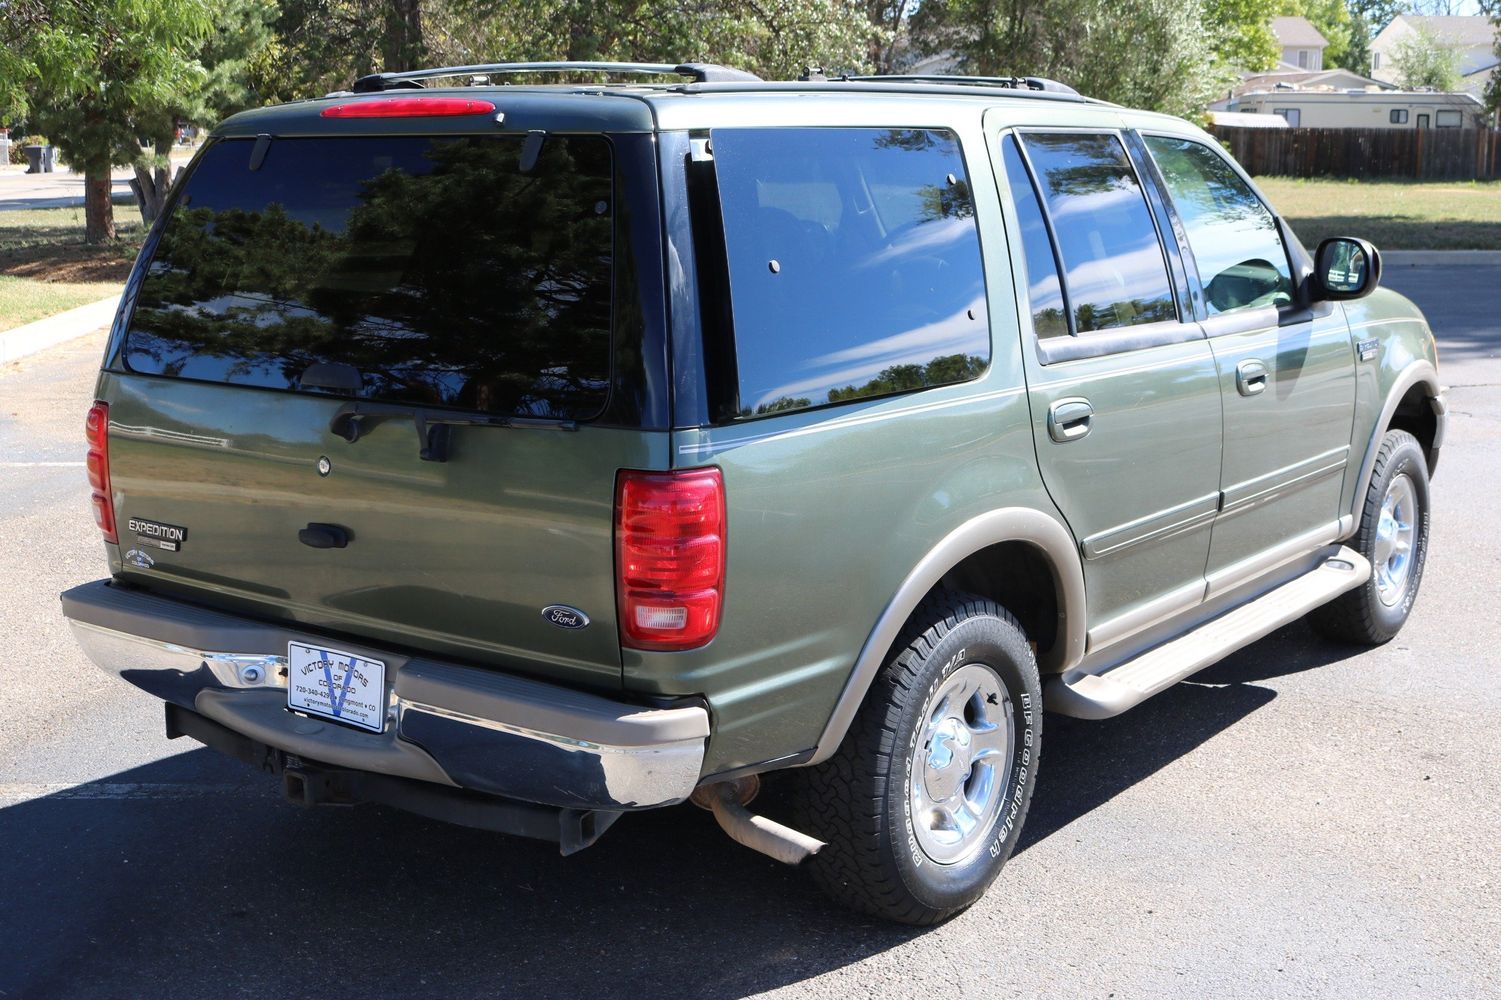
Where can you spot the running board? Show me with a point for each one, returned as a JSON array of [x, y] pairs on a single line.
[[1126, 685]]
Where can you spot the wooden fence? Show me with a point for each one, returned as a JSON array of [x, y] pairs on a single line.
[[1420, 154]]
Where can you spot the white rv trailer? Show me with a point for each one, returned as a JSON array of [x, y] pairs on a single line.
[[1398, 109]]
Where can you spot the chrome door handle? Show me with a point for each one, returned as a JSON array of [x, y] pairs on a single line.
[[1068, 419], [1250, 377]]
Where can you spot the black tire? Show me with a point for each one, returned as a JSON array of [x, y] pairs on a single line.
[[1361, 616], [858, 801]]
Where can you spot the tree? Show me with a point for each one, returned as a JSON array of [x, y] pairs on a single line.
[[1422, 60], [240, 37], [890, 18], [1367, 18], [20, 20], [1144, 53], [1492, 95], [323, 45], [1242, 33], [773, 38], [97, 69]]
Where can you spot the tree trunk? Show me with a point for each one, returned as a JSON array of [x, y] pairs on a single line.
[[98, 210], [151, 187], [403, 47]]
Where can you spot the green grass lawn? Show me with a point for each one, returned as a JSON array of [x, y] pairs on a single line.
[[1394, 215], [46, 268], [23, 300]]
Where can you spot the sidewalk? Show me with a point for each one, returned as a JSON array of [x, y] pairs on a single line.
[[44, 333]]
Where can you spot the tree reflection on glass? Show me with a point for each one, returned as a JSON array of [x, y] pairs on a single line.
[[1113, 262], [854, 263], [433, 266], [1239, 253]]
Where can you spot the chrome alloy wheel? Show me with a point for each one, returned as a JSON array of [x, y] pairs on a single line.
[[1396, 533], [962, 765]]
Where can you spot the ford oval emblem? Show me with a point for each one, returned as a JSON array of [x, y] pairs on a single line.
[[563, 616]]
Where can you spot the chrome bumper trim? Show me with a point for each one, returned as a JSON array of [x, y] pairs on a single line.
[[654, 774], [582, 764], [232, 670]]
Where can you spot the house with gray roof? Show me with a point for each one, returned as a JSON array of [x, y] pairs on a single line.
[[1472, 38], [1302, 44]]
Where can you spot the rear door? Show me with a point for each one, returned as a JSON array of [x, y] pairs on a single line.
[[1287, 375], [1124, 390], [377, 380]]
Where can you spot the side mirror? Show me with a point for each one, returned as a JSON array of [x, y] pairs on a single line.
[[1346, 268]]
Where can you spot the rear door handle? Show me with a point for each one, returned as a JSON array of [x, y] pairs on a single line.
[[1250, 377], [1069, 419]]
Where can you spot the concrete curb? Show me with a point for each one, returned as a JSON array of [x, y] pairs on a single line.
[[44, 333], [1441, 258]]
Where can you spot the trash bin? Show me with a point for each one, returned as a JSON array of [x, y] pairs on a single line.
[[49, 158], [34, 158]]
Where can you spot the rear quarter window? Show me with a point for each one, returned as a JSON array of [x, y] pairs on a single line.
[[432, 265], [854, 263]]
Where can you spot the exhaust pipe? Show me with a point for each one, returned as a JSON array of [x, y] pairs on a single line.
[[726, 800]]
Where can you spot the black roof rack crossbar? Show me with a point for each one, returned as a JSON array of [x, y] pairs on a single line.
[[1007, 82], [698, 72]]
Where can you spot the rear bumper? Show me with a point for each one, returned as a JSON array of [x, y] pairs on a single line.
[[446, 724]]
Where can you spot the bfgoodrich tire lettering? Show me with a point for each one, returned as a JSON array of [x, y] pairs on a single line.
[[1394, 537], [961, 666]]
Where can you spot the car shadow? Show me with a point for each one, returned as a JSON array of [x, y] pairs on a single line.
[[190, 877]]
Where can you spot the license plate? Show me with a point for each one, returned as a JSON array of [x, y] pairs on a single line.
[[336, 685]]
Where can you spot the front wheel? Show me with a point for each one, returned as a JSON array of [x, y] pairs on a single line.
[[1394, 537], [924, 800]]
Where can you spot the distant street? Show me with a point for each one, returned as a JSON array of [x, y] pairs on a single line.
[[62, 187], [1302, 820]]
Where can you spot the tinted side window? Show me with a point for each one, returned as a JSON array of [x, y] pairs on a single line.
[[854, 263], [1112, 260], [1043, 288], [432, 265], [1234, 239]]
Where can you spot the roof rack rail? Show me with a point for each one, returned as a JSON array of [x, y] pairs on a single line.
[[699, 72], [1007, 82]]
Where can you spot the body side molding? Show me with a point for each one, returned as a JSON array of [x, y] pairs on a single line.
[[1008, 524], [1420, 372]]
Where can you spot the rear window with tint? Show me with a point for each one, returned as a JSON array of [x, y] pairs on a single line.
[[854, 263], [432, 265]]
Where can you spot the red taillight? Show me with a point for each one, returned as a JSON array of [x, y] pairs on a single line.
[[96, 429], [669, 557], [409, 107]]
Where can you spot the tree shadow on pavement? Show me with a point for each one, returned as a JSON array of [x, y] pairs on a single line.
[[1405, 231], [188, 877]]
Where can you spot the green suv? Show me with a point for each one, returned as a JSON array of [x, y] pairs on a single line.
[[527, 454]]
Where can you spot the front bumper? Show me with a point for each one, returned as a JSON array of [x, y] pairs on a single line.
[[446, 724]]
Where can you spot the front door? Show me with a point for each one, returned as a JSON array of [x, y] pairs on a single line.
[[1124, 392], [1287, 376]]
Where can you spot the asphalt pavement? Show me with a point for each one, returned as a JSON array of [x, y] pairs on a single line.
[[1300, 820], [63, 188]]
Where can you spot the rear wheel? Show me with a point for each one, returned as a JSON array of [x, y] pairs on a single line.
[[1394, 537], [924, 800]]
